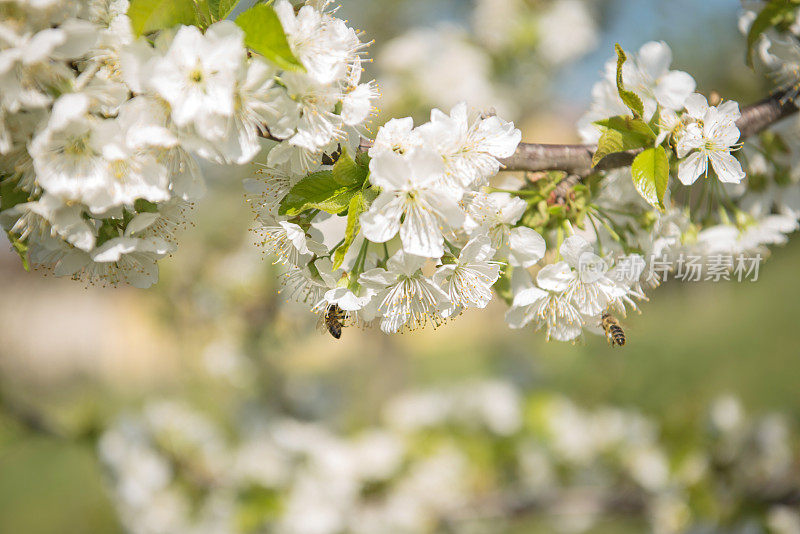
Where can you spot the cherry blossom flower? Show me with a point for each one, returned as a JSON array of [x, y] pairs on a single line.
[[470, 149], [646, 73], [547, 305], [197, 76], [409, 191], [406, 298], [713, 137], [468, 282]]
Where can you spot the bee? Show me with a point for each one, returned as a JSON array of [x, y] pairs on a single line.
[[333, 320], [613, 330]]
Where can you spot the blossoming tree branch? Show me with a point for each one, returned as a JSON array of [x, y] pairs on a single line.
[[107, 108]]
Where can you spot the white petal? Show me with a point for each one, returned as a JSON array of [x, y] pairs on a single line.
[[674, 88], [696, 106], [113, 249], [692, 168], [421, 235], [529, 296], [140, 222], [654, 58], [727, 167], [479, 248], [556, 276], [390, 172], [572, 248], [377, 278], [527, 247], [382, 221]]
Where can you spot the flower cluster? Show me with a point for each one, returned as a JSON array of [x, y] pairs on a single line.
[[574, 292], [457, 455], [101, 131], [88, 190], [323, 108], [431, 241], [418, 229]]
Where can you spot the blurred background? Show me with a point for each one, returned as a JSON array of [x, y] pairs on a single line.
[[212, 399]]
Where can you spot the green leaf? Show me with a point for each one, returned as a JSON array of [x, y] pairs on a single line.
[[613, 141], [650, 172], [655, 121], [356, 207], [348, 172], [363, 159], [108, 230], [629, 125], [317, 191], [151, 15], [220, 9], [330, 191], [264, 34], [11, 195], [630, 98], [773, 14], [144, 206]]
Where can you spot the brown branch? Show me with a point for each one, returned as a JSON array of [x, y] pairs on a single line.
[[577, 159]]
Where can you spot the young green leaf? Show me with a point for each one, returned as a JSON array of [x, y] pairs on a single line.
[[650, 172], [613, 141], [317, 191], [11, 195], [629, 125], [151, 15], [264, 34], [220, 9], [349, 172], [630, 98], [355, 209]]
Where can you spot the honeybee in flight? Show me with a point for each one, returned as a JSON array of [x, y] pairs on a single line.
[[613, 330], [333, 320]]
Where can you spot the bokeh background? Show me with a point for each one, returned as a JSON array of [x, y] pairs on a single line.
[[216, 334]]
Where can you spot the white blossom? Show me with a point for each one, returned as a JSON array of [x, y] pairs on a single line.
[[468, 282], [197, 76], [406, 298], [470, 148], [409, 190], [713, 136], [547, 305]]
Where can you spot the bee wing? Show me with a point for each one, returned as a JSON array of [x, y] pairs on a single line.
[[322, 326]]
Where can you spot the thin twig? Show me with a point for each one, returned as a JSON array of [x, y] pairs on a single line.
[[577, 159]]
